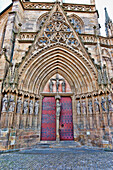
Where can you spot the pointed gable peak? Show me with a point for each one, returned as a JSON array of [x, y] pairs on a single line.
[[57, 29]]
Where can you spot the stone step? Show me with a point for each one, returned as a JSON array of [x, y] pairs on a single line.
[[60, 144]]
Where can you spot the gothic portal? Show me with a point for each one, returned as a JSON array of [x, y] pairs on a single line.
[[56, 75]]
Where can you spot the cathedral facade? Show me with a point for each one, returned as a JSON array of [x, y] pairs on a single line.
[[56, 75]]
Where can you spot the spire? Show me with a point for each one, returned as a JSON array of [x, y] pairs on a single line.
[[108, 22], [107, 18]]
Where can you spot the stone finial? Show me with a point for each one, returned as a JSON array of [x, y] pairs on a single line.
[[92, 2]]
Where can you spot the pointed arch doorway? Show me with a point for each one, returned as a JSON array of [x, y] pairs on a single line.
[[54, 126]]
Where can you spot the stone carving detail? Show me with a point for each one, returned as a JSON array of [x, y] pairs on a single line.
[[99, 77], [73, 7], [57, 31], [36, 107], [96, 105], [90, 108], [58, 108], [78, 108], [51, 86], [105, 79], [63, 86], [31, 107], [4, 103], [25, 107], [11, 104], [110, 103], [76, 23], [103, 104], [57, 80], [11, 79], [19, 105], [83, 107]]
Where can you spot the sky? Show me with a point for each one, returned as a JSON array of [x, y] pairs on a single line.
[[100, 5]]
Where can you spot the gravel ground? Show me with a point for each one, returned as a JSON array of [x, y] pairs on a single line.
[[57, 159]]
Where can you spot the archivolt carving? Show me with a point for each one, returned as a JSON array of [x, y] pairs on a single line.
[[57, 58]]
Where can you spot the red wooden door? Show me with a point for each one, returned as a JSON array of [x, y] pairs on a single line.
[[66, 119], [48, 126]]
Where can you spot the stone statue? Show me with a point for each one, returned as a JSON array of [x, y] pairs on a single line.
[[4, 103], [51, 86], [57, 82], [110, 103], [96, 105], [78, 108], [31, 107], [103, 104], [63, 86], [90, 106], [11, 104], [25, 106], [83, 107], [58, 108], [36, 107], [19, 105]]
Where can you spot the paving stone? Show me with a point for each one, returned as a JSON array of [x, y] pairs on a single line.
[[58, 159]]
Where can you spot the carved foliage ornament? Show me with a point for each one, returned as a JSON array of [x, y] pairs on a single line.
[[57, 31]]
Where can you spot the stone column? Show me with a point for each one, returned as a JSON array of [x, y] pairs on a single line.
[[90, 113], [84, 112], [36, 113], [58, 110], [40, 116], [74, 116], [19, 111], [25, 112]]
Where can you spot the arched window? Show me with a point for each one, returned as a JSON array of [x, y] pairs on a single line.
[[41, 20], [77, 23]]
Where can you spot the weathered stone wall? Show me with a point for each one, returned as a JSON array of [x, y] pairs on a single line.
[[82, 67]]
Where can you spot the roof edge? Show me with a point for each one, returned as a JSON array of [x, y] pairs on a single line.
[[6, 9]]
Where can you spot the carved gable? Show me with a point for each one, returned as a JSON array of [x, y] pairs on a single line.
[[58, 29]]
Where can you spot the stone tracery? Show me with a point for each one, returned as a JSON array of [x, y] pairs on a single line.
[[57, 31]]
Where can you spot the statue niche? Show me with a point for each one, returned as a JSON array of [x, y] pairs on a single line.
[[57, 84]]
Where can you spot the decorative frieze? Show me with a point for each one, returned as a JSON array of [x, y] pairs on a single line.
[[67, 7]]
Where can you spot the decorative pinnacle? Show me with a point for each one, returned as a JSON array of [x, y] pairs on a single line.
[[107, 18]]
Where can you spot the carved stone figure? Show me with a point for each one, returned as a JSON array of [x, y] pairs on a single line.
[[31, 107], [11, 104], [96, 105], [19, 105], [51, 86], [103, 104], [36, 107], [90, 106], [57, 82], [4, 103], [83, 107], [58, 108], [63, 86], [110, 103], [78, 108], [25, 106]]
